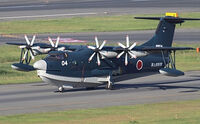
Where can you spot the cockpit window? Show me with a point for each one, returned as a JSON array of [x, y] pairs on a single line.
[[55, 57]]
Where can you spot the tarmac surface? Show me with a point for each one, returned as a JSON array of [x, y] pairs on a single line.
[[26, 9], [181, 36], [29, 9], [40, 97]]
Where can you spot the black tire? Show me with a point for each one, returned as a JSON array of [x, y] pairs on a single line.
[[90, 88], [111, 87], [61, 89]]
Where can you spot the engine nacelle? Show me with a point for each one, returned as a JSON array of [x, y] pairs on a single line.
[[139, 53], [108, 54]]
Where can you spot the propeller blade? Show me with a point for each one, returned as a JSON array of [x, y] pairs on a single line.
[[31, 53], [132, 46], [102, 45], [25, 55], [127, 41], [47, 49], [126, 59], [91, 57], [35, 47], [50, 40], [118, 56], [132, 55], [121, 45], [91, 47], [98, 59], [27, 40], [61, 48], [33, 39], [57, 42], [23, 46], [97, 42], [97, 50]]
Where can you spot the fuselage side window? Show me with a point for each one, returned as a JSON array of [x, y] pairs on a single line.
[[55, 57]]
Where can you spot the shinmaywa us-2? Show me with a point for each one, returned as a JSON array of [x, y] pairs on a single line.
[[72, 66]]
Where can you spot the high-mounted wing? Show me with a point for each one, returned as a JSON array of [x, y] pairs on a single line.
[[31, 49], [164, 48], [44, 48]]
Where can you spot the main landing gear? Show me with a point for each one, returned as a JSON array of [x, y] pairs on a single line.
[[110, 84]]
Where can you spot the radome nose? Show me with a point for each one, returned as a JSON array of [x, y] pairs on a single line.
[[40, 65]]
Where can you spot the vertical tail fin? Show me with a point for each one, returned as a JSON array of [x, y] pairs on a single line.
[[163, 36], [165, 30]]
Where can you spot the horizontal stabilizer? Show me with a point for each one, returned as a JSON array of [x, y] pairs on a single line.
[[169, 19]]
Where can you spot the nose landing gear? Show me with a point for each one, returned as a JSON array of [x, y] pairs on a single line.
[[61, 89]]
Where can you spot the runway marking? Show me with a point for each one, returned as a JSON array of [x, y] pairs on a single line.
[[54, 15], [15, 7], [10, 36]]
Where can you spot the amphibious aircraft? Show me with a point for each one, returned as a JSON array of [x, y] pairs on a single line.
[[71, 66]]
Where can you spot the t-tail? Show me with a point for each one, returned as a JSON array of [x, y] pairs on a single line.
[[165, 30]]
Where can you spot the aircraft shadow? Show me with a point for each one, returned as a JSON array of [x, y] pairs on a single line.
[[165, 85], [161, 85], [81, 89]]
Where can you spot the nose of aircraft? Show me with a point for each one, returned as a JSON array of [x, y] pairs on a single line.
[[40, 65]]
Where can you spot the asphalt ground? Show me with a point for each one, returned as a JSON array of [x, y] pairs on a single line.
[[181, 36], [26, 9], [40, 97]]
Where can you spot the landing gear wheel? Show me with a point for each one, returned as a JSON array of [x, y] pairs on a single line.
[[109, 86], [60, 89], [90, 88]]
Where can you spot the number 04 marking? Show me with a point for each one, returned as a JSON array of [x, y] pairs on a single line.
[[63, 63]]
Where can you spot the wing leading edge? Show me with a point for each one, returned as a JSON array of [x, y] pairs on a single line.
[[165, 48]]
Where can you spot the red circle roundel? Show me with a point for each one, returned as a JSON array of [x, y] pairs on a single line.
[[139, 64]]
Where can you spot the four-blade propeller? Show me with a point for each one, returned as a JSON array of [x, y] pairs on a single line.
[[127, 50], [54, 47], [97, 51], [29, 47]]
